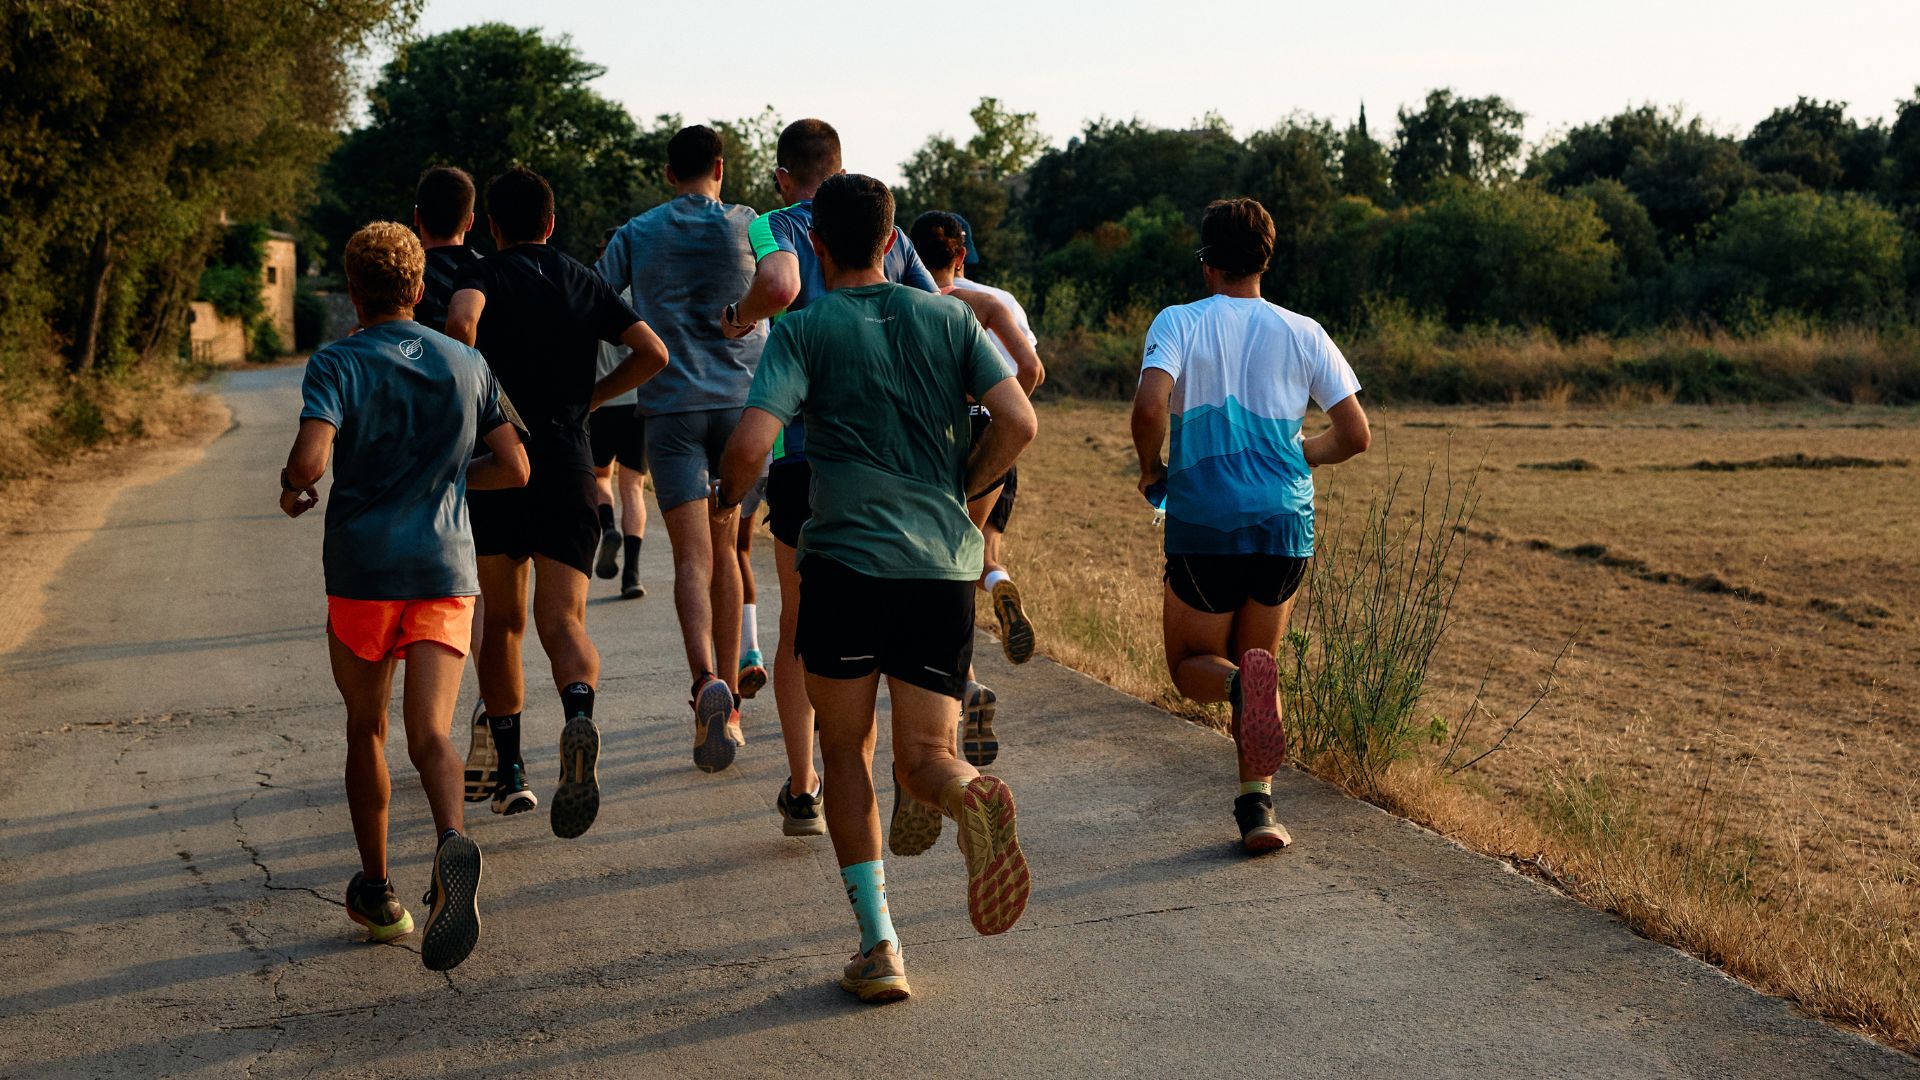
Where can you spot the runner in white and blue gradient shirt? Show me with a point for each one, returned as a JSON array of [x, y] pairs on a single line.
[[1232, 376]]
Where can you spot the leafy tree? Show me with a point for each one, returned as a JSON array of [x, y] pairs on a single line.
[[1515, 254], [1113, 167], [126, 130], [1364, 164], [1291, 170], [1903, 154], [1680, 171], [1144, 260], [752, 145], [1821, 256], [1628, 227], [1816, 144], [974, 179], [487, 98], [1473, 139]]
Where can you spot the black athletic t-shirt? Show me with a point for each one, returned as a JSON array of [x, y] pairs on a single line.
[[443, 268], [541, 331]]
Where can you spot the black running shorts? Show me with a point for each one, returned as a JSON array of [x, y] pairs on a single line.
[[554, 515], [618, 432], [851, 625], [789, 499], [1222, 584]]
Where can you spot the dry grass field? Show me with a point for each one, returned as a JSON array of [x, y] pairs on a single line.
[[1729, 756]]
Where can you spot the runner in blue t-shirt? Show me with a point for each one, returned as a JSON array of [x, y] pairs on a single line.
[[787, 277], [1232, 376]]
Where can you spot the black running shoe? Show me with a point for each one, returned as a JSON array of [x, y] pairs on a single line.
[[712, 708], [453, 922], [977, 740], [1260, 831], [609, 561], [377, 909], [799, 814], [576, 802], [630, 587], [483, 761], [513, 795]]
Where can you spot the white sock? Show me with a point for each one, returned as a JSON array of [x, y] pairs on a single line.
[[995, 577], [749, 629]]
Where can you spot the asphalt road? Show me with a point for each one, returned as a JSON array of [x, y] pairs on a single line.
[[174, 841]]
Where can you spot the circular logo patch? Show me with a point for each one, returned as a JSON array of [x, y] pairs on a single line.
[[411, 348]]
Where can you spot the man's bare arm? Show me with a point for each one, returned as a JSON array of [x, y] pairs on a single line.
[[998, 317], [776, 282], [1150, 421], [647, 359], [1014, 426], [463, 315], [752, 441], [505, 464], [1349, 435], [306, 464]]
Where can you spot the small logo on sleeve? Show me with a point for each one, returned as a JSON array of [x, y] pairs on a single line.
[[411, 348], [1152, 347]]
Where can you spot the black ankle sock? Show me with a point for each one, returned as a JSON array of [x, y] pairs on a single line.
[[506, 738], [606, 518], [633, 548], [577, 700]]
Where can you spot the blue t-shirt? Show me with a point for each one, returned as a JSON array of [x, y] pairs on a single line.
[[681, 263], [407, 405], [786, 230], [1243, 371]]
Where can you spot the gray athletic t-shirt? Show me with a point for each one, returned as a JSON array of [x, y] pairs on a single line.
[[684, 261], [408, 405]]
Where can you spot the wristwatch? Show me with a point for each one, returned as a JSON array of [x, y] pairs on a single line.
[[734, 323], [718, 501], [284, 485]]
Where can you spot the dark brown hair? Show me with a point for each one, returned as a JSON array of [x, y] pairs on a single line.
[[809, 150], [444, 198], [521, 203], [938, 238], [692, 151], [1236, 237], [853, 216]]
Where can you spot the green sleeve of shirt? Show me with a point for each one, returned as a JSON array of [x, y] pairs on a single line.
[[760, 235], [985, 367], [780, 383]]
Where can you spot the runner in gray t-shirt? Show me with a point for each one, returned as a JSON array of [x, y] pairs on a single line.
[[682, 261]]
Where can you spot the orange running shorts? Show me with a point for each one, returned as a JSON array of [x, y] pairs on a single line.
[[377, 629]]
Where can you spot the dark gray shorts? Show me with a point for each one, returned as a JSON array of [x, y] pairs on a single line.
[[683, 451]]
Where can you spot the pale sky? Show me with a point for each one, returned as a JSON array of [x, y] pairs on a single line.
[[887, 75]]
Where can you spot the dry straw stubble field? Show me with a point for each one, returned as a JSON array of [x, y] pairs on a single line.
[[1727, 756]]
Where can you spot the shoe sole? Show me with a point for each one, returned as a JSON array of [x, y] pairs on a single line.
[[576, 802], [980, 745], [1016, 630], [1261, 738], [998, 880], [712, 750], [915, 828], [608, 563], [483, 761], [454, 926], [752, 680], [1266, 838], [813, 826], [632, 592], [877, 991], [380, 935], [518, 802]]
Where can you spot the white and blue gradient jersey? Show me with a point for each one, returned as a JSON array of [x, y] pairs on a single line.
[[1243, 372]]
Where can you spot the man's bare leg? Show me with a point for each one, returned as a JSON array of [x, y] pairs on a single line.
[[633, 529], [560, 618], [790, 694], [365, 686]]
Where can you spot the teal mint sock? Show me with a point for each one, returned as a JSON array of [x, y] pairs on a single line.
[[1256, 787], [867, 890]]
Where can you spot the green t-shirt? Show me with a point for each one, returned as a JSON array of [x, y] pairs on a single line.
[[881, 374]]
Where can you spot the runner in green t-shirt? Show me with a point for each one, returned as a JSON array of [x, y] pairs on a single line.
[[882, 373]]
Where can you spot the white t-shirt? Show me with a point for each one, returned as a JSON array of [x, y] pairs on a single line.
[[1243, 373], [1019, 315]]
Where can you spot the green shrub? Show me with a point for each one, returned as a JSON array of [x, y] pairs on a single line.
[[264, 344], [309, 317], [234, 291]]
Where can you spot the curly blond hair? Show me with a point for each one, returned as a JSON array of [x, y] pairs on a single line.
[[385, 266]]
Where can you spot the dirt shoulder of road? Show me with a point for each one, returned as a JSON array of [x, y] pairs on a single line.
[[45, 516]]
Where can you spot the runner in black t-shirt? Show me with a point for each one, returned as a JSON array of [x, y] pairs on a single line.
[[442, 214], [539, 317]]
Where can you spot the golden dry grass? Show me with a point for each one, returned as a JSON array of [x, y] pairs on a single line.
[[1728, 760]]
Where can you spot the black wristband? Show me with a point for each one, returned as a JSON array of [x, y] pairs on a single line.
[[284, 485]]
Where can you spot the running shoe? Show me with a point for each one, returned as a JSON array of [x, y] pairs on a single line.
[[576, 802], [609, 562], [998, 880], [799, 814], [712, 709], [630, 587], [453, 924], [483, 762], [1260, 831], [1258, 735], [877, 977], [1016, 630], [734, 733], [753, 674], [378, 910], [916, 826], [977, 740], [513, 795]]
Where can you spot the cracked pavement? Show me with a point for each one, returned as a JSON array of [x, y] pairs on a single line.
[[175, 842]]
